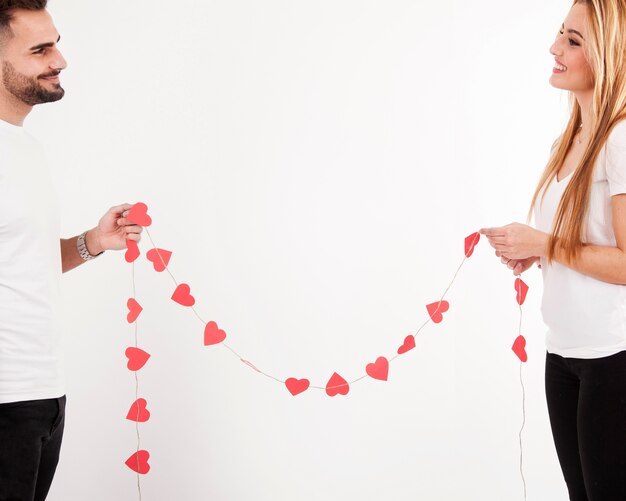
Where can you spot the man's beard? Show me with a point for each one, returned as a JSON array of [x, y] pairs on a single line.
[[28, 89]]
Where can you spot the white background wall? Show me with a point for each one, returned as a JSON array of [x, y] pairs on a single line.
[[315, 167]]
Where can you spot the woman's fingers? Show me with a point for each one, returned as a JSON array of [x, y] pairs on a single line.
[[492, 232]]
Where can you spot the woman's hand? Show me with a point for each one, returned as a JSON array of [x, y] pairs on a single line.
[[518, 266], [517, 241]]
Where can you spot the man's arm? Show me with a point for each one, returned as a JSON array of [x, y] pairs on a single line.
[[111, 234]]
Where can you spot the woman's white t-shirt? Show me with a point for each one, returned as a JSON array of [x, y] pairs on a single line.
[[30, 270], [586, 317]]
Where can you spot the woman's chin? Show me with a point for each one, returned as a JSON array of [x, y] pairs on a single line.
[[556, 84]]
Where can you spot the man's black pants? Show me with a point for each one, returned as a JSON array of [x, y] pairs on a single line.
[[30, 441]]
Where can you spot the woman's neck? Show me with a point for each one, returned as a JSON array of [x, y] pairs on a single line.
[[584, 100]]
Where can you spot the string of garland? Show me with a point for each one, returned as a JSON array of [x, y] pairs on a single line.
[[521, 289], [213, 335]]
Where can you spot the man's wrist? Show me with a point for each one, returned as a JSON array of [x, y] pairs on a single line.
[[89, 245]]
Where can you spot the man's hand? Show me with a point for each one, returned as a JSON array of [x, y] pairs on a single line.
[[112, 231]]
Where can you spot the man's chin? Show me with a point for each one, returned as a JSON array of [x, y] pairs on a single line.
[[57, 96], [56, 93], [42, 97]]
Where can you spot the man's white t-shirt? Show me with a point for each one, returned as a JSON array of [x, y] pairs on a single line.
[[586, 318], [30, 271]]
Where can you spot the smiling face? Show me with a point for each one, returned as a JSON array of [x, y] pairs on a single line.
[[30, 59], [572, 71]]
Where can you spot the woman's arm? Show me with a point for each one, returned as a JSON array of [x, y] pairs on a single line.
[[608, 264]]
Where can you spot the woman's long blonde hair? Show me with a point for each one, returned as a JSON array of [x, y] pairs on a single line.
[[605, 50]]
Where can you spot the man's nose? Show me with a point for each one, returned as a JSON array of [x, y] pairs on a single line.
[[58, 62]]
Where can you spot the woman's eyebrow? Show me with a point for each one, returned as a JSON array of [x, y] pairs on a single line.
[[573, 31]]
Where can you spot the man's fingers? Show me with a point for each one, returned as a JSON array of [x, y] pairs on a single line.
[[123, 221], [119, 209], [133, 229]]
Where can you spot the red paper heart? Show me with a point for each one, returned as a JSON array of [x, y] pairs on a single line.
[[436, 310], [138, 411], [379, 369], [522, 289], [337, 385], [213, 334], [134, 309], [138, 214], [159, 258], [182, 295], [137, 358], [470, 243], [519, 348], [409, 344], [138, 462], [296, 386], [132, 251]]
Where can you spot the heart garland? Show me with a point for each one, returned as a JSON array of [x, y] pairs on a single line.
[[138, 412], [182, 295], [137, 358], [379, 369], [213, 335], [519, 348], [296, 386], [519, 345], [159, 258], [134, 309], [138, 462], [132, 251]]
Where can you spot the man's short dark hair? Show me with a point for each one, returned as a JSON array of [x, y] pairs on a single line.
[[8, 7]]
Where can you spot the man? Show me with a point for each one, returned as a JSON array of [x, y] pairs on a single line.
[[32, 393]]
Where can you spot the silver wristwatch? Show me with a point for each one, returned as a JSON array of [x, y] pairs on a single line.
[[82, 248]]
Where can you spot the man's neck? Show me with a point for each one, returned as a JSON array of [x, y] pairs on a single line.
[[13, 110]]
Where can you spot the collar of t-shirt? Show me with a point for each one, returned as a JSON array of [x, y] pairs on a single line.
[[9, 128]]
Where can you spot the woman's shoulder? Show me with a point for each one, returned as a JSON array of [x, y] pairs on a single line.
[[617, 136]]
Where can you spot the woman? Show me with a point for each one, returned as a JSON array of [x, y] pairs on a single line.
[[580, 245]]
